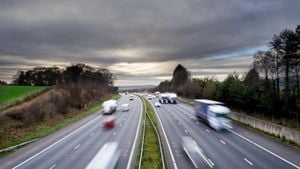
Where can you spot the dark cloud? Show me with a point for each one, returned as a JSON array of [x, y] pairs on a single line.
[[48, 32]]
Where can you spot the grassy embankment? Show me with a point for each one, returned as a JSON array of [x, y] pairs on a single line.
[[43, 129], [151, 154], [12, 94]]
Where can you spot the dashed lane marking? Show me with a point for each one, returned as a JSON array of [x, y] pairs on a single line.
[[248, 161]]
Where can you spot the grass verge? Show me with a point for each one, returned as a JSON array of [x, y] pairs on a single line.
[[45, 129], [151, 158]]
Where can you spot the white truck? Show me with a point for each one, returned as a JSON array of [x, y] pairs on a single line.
[[109, 106], [163, 98], [172, 98], [107, 157], [214, 113]]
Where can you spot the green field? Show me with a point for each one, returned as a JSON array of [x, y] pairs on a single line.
[[11, 93]]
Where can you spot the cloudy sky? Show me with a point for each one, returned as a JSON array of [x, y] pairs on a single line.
[[140, 41]]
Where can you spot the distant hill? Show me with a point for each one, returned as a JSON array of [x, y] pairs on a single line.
[[123, 88]]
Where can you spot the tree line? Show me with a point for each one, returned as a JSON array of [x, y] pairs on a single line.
[[48, 76], [270, 87]]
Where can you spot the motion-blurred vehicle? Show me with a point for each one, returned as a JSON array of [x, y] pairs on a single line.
[[157, 104], [109, 122], [195, 153], [150, 97], [131, 97], [109, 107], [106, 158], [125, 107], [157, 94], [172, 98], [214, 113], [163, 98]]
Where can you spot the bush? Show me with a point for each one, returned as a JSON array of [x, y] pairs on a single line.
[[234, 93], [15, 114]]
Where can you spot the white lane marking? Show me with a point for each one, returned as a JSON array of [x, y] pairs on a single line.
[[77, 146], [207, 130], [114, 133], [167, 141], [185, 131], [179, 123], [52, 145], [197, 123], [261, 147], [209, 160], [248, 161], [222, 142], [52, 166], [92, 134], [135, 140]]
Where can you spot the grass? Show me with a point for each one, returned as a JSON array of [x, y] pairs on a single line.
[[11, 93], [45, 129], [151, 155]]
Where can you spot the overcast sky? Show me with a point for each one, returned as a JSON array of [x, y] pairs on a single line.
[[140, 41]]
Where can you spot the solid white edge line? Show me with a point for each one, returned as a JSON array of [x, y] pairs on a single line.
[[248, 161], [261, 147], [135, 139], [163, 130], [52, 145]]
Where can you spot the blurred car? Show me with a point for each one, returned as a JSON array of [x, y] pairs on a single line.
[[195, 153], [106, 158], [157, 104], [131, 97], [109, 122], [125, 107], [150, 97]]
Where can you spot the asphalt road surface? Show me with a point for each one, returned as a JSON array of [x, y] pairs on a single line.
[[75, 146], [234, 149]]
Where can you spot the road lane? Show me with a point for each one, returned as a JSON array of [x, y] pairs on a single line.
[[232, 154], [76, 150]]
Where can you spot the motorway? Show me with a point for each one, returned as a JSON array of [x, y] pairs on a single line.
[[233, 149], [75, 146]]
